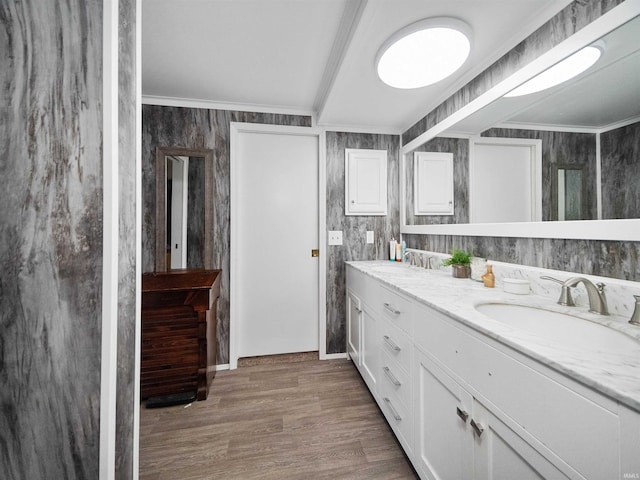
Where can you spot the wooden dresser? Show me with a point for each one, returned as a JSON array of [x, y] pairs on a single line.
[[178, 332]]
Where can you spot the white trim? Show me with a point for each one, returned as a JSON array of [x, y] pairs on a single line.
[[623, 230], [235, 129], [620, 124], [213, 105], [546, 128], [110, 229], [373, 129], [598, 178], [334, 356], [138, 280]]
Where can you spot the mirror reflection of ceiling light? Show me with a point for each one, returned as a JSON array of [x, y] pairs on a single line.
[[424, 53], [561, 72]]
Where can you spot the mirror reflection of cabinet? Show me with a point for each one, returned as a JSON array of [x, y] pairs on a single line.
[[184, 208], [433, 177]]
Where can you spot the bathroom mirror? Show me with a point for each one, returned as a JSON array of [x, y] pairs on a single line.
[[184, 208], [602, 110]]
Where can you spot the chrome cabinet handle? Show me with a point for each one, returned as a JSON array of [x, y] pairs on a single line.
[[391, 309], [476, 427], [394, 412], [392, 377], [462, 414], [391, 343]]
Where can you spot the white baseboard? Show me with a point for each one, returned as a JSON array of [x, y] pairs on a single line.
[[333, 356]]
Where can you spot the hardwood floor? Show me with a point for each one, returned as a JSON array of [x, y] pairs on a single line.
[[309, 420]]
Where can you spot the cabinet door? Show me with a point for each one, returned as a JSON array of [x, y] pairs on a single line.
[[354, 321], [500, 453], [369, 349], [443, 441], [365, 182]]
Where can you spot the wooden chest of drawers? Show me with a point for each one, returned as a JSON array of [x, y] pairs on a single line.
[[178, 332]]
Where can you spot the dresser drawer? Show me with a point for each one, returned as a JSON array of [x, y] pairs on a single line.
[[396, 344], [396, 308]]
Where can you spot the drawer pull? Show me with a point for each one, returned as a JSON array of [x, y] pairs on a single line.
[[392, 377], [462, 414], [394, 412], [392, 309], [477, 427], [391, 343]]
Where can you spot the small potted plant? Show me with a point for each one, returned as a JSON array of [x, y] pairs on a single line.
[[460, 262]]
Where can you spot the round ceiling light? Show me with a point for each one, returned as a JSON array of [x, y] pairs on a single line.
[[561, 72], [424, 53]]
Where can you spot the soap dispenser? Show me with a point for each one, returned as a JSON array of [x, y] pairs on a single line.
[[489, 278]]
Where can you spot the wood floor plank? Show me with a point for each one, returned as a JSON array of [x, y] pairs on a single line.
[[292, 420]]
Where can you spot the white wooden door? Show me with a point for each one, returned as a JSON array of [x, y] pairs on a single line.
[[276, 298]]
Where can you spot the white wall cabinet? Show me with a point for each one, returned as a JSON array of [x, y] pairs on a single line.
[[463, 405], [365, 182]]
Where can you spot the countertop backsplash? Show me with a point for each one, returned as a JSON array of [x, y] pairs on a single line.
[[618, 293]]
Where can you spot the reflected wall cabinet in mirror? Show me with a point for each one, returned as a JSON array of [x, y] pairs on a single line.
[[184, 208], [588, 129]]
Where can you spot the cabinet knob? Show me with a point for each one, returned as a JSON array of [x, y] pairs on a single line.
[[462, 414], [476, 427]]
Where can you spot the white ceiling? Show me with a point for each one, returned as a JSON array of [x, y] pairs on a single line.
[[313, 56]]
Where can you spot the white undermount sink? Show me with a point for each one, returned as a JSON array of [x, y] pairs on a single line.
[[561, 328]]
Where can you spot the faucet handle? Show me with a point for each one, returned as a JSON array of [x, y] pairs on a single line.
[[565, 294], [544, 277]]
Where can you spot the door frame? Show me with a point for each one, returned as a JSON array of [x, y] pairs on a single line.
[[236, 129]]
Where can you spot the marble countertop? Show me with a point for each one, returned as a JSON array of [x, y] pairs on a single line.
[[615, 374]]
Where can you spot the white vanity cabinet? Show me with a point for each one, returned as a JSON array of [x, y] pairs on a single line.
[[459, 437], [466, 406], [530, 422]]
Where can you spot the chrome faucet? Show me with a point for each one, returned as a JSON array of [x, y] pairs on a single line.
[[597, 300]]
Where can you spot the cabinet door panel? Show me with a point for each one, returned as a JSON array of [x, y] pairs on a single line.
[[353, 327], [443, 441], [502, 454], [369, 349]]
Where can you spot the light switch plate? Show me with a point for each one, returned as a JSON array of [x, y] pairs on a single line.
[[369, 236], [335, 237]]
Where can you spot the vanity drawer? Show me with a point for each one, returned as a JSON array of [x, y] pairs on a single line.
[[394, 381], [397, 414], [396, 344], [396, 308]]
